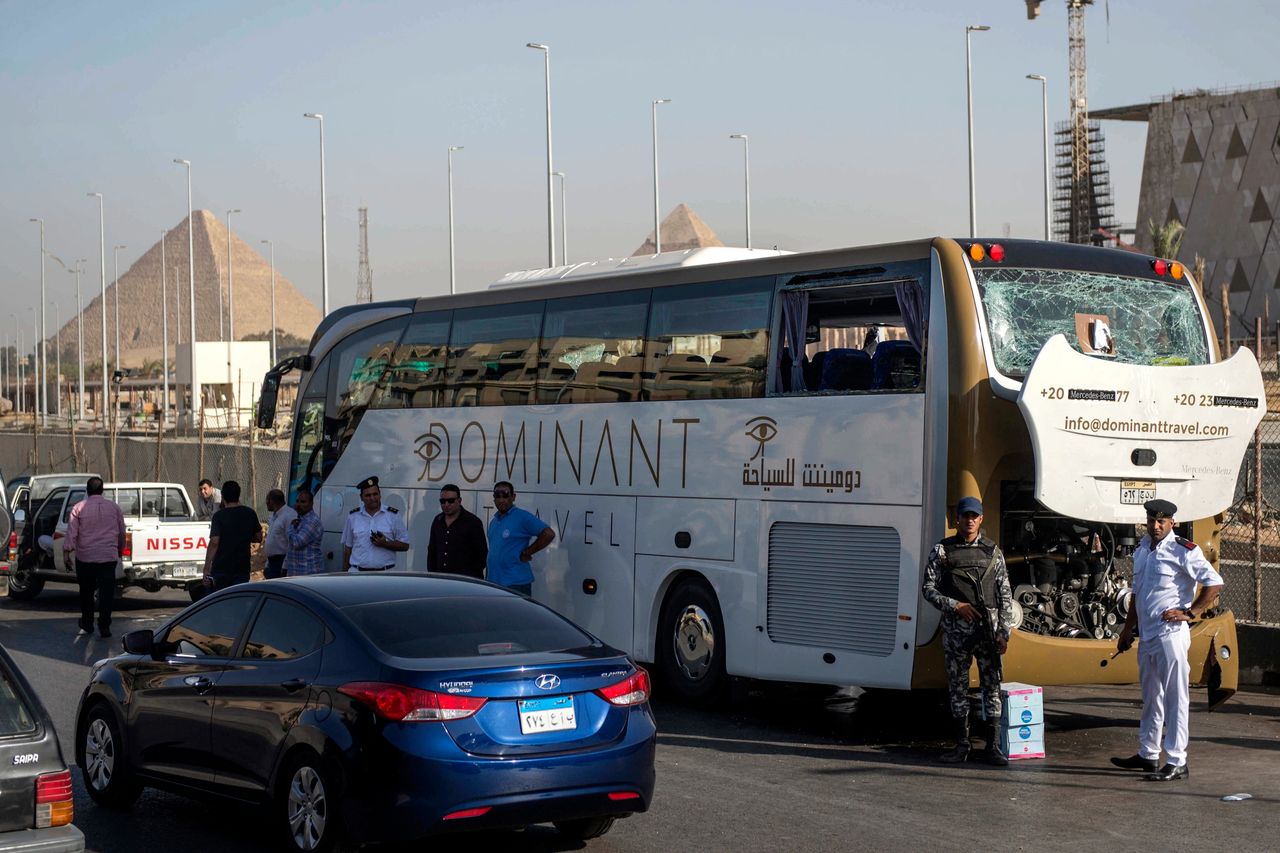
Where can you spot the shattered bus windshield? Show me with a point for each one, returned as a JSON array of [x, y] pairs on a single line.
[[1134, 321]]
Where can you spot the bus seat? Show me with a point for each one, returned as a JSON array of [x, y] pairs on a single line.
[[812, 368], [845, 370], [896, 364]]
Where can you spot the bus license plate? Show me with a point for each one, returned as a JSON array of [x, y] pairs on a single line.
[[1137, 491], [553, 714]]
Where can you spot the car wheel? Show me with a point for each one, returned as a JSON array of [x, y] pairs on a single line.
[[23, 584], [691, 644], [307, 805], [587, 828], [107, 776]]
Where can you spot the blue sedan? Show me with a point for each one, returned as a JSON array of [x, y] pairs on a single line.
[[376, 707]]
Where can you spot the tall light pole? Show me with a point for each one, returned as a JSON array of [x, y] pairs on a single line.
[[551, 208], [164, 326], [231, 298], [191, 295], [1044, 102], [272, 246], [102, 266], [17, 333], [324, 231], [57, 373], [80, 336], [564, 223], [452, 270], [746, 172], [42, 357], [968, 77], [115, 288], [657, 220]]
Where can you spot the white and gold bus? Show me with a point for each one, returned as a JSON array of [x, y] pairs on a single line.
[[746, 455]]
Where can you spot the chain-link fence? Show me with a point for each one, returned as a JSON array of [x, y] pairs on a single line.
[[1250, 561]]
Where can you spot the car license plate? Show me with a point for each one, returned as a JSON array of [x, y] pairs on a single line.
[[1137, 491], [187, 571], [552, 714]]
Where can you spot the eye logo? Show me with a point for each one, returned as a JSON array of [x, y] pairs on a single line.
[[428, 449], [761, 429]]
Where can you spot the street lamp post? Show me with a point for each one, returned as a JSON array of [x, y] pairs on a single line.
[[57, 373], [452, 270], [657, 221], [42, 363], [746, 172], [551, 209], [564, 223], [272, 246], [324, 232], [115, 251], [80, 337], [1044, 102], [191, 296], [164, 326], [968, 77], [231, 297], [17, 357], [102, 266]]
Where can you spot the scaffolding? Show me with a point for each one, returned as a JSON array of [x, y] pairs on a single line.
[[1068, 225], [364, 274]]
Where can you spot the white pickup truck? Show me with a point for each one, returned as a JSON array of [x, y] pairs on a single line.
[[164, 545]]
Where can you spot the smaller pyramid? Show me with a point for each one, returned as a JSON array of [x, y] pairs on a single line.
[[682, 229]]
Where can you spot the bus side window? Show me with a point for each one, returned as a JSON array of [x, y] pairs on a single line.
[[308, 447], [708, 341], [415, 377], [585, 340], [360, 362], [493, 354], [856, 337]]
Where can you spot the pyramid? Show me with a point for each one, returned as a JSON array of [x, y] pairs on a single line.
[[682, 229], [141, 330]]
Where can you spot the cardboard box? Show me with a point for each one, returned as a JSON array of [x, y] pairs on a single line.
[[1021, 742], [1021, 704]]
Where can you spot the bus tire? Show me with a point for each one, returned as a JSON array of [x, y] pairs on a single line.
[[691, 644]]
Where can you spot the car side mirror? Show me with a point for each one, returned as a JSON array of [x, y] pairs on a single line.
[[140, 642], [19, 516]]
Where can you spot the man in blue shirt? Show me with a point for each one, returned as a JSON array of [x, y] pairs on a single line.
[[510, 547]]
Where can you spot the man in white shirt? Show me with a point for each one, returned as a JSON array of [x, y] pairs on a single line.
[[373, 533], [277, 544], [1166, 570]]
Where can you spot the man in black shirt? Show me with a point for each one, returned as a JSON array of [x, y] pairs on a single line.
[[458, 543], [233, 529]]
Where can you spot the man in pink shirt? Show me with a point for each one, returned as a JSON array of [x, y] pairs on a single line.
[[95, 540]]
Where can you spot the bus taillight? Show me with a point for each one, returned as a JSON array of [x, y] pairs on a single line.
[[1159, 266], [976, 252], [996, 252]]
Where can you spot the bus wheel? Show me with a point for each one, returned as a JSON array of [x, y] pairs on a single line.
[[691, 644]]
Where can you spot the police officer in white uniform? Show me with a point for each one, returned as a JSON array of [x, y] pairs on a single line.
[[1166, 570], [373, 534]]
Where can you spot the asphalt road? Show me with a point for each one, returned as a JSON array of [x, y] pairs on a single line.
[[784, 769]]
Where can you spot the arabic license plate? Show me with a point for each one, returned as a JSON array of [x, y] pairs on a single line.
[[552, 714], [188, 571], [1137, 491]]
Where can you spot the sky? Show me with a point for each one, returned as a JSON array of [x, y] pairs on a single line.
[[855, 111]]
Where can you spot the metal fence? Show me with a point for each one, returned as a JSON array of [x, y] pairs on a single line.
[[1250, 558]]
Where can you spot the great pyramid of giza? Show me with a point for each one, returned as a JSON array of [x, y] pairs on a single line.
[[682, 229], [141, 332]]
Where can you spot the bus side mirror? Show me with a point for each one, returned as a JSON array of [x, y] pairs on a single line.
[[267, 401]]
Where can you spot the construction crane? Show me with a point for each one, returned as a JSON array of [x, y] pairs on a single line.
[[1079, 230], [364, 273]]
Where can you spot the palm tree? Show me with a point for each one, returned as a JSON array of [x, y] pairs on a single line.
[[1166, 239]]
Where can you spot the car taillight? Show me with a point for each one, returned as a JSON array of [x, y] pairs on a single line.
[[632, 690], [127, 553], [398, 703], [53, 799], [13, 545]]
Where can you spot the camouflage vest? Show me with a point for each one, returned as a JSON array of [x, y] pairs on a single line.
[[966, 573]]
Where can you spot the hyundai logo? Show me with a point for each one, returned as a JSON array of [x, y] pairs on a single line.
[[547, 682]]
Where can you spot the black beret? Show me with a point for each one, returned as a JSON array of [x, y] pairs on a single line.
[[1159, 508], [367, 483]]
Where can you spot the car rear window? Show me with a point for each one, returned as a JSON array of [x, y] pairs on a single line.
[[15, 717], [464, 627]]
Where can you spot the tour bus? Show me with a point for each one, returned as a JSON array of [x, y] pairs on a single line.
[[747, 455]]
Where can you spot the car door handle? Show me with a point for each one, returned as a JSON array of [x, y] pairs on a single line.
[[293, 684], [199, 682]]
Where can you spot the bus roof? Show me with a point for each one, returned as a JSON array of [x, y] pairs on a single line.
[[635, 263]]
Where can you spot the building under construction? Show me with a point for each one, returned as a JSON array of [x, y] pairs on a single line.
[[1099, 221]]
